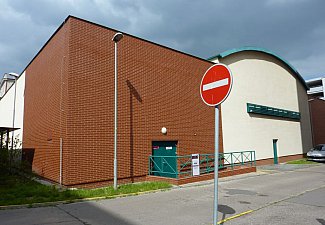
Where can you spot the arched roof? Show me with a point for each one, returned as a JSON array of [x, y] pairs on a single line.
[[256, 49]]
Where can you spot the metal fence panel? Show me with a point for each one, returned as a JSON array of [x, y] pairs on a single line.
[[184, 163]]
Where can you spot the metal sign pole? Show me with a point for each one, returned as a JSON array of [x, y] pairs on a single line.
[[214, 89], [216, 165]]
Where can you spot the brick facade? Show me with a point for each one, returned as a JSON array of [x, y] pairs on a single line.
[[69, 94], [282, 159], [222, 173], [45, 104], [317, 111]]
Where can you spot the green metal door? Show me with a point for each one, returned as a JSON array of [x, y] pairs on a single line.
[[275, 151], [164, 158]]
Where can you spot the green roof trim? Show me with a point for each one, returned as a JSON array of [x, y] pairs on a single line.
[[271, 111], [236, 50]]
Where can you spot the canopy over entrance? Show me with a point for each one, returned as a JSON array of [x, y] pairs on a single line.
[[6, 130]]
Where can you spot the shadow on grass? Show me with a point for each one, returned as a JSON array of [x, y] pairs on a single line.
[[17, 190]]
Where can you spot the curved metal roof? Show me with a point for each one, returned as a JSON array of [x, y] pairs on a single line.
[[236, 50]]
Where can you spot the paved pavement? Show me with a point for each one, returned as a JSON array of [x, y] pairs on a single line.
[[282, 194]]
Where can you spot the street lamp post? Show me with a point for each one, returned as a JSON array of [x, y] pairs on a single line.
[[116, 38]]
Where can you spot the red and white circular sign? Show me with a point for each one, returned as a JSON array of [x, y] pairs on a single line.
[[216, 84]]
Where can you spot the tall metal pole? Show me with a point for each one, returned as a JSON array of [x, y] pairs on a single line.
[[115, 121], [216, 165], [117, 37], [13, 116]]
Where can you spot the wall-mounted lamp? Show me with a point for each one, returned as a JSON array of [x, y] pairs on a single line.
[[164, 130]]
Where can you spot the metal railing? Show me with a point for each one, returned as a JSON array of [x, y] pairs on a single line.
[[181, 166]]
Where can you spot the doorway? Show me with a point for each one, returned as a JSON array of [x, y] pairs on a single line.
[[275, 151], [164, 158]]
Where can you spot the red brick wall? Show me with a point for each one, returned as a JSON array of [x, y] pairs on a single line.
[[203, 177], [44, 115], [282, 159], [317, 110], [158, 87]]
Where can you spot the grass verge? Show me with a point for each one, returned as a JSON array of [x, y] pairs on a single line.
[[301, 161], [16, 190]]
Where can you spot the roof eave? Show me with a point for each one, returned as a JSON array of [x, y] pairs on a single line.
[[236, 50]]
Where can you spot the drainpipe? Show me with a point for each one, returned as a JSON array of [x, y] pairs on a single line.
[[61, 143]]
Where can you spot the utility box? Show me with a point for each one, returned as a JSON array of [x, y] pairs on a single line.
[[195, 164]]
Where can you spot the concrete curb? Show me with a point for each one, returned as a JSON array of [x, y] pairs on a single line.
[[48, 204]]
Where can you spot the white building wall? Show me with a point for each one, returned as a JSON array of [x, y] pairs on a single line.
[[262, 79], [7, 106]]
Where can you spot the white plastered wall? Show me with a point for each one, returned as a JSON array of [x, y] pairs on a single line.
[[262, 79], [7, 106]]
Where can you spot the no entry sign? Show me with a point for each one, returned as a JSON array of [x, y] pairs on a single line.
[[214, 89], [216, 84]]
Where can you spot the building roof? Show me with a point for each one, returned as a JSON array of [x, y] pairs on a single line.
[[7, 80], [108, 28], [316, 87], [257, 49], [99, 25], [315, 81]]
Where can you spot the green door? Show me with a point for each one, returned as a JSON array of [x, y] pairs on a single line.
[[164, 158], [275, 151]]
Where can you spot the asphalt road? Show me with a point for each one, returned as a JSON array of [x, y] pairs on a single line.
[[282, 194]]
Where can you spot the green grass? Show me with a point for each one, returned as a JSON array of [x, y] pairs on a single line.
[[301, 161], [15, 190]]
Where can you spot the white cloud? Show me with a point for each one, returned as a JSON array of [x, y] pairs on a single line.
[[293, 29]]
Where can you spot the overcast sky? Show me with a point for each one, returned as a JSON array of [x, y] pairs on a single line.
[[293, 29]]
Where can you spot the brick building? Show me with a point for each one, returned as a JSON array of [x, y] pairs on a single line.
[[65, 107], [69, 99], [316, 95], [317, 111]]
